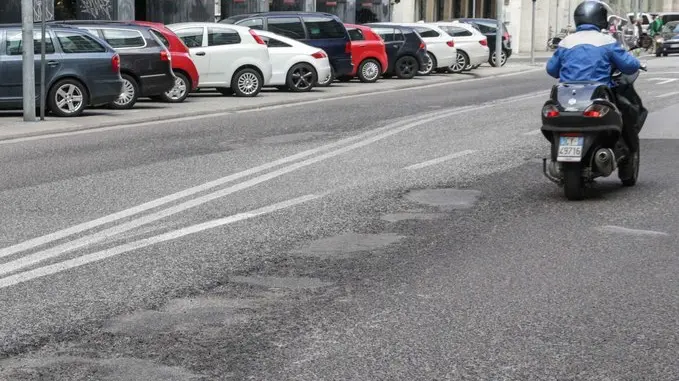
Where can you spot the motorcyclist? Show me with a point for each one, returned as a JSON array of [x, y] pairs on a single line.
[[590, 55]]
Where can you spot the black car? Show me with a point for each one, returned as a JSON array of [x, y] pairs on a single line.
[[322, 30], [406, 51], [489, 28], [145, 63]]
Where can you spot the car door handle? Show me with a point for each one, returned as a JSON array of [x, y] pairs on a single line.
[[200, 54], [52, 63]]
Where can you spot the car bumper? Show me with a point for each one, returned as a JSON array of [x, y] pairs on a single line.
[[670, 48], [105, 92], [342, 66], [323, 68], [156, 84]]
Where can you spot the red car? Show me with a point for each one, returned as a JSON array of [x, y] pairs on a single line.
[[368, 54], [182, 64]]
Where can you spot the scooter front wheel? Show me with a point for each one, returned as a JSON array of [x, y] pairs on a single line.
[[573, 183]]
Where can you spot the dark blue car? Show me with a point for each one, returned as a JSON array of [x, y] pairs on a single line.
[[81, 70], [322, 30]]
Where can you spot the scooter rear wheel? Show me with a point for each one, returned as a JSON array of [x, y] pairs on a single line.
[[574, 184]]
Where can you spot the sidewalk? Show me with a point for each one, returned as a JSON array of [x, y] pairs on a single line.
[[205, 103]]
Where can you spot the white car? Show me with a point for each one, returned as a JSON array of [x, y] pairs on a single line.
[[471, 44], [230, 58], [295, 65], [440, 46]]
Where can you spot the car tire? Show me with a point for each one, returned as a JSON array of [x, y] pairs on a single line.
[[369, 70], [301, 77], [665, 54], [406, 67], [178, 93], [460, 64], [503, 58], [246, 83], [129, 95], [431, 65], [327, 81], [67, 98]]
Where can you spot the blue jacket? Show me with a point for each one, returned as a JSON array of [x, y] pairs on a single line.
[[589, 55]]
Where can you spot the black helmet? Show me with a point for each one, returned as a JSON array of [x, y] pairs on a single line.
[[591, 12]]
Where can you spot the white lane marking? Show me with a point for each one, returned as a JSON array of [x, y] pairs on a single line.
[[440, 159], [626, 231], [667, 94], [40, 256], [263, 108], [662, 81], [39, 241], [533, 132], [98, 256]]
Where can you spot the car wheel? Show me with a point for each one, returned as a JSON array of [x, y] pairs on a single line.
[[327, 81], [431, 65], [128, 96], [503, 59], [67, 98], [461, 62], [246, 83], [180, 90], [665, 54], [369, 70], [301, 77], [406, 67]]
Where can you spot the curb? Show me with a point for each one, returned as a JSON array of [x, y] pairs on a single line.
[[141, 120]]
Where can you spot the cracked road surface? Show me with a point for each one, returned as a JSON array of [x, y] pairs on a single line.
[[409, 236]]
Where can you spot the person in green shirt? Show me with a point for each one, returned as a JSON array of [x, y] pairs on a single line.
[[654, 30]]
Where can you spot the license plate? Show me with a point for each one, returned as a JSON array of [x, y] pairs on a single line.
[[570, 148]]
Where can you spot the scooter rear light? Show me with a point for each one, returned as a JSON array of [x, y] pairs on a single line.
[[550, 111], [596, 111]]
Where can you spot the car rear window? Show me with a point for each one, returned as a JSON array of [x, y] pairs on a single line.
[[252, 23], [192, 37], [72, 42], [426, 32], [287, 26], [456, 31], [323, 27], [221, 36], [387, 34], [356, 35], [161, 37], [14, 43], [124, 38]]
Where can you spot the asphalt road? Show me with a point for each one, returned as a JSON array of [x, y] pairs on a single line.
[[409, 236]]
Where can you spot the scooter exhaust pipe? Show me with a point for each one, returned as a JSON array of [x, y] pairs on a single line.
[[604, 160]]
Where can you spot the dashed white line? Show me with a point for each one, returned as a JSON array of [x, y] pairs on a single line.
[[440, 160], [94, 257], [533, 132], [667, 94]]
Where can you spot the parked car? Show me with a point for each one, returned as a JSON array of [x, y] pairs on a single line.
[[489, 28], [471, 44], [669, 39], [145, 62], [233, 59], [184, 69], [406, 51], [368, 54], [295, 66], [441, 52], [322, 30], [80, 71]]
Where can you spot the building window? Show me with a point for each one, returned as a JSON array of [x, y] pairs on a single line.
[[65, 10], [239, 7], [285, 5]]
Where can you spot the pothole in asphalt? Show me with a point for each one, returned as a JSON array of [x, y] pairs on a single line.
[[291, 138], [293, 283], [395, 217], [445, 198], [343, 246], [80, 368], [183, 315]]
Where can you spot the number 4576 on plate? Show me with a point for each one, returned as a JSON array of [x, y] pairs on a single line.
[[570, 148]]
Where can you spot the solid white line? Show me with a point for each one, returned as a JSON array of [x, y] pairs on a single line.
[[98, 256], [263, 108], [440, 160], [667, 94], [621, 230], [533, 132], [39, 241], [40, 256]]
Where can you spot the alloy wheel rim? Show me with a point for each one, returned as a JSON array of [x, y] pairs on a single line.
[[69, 98], [460, 63], [503, 58], [407, 66], [302, 78], [127, 94], [370, 70], [430, 65], [178, 90], [248, 83]]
